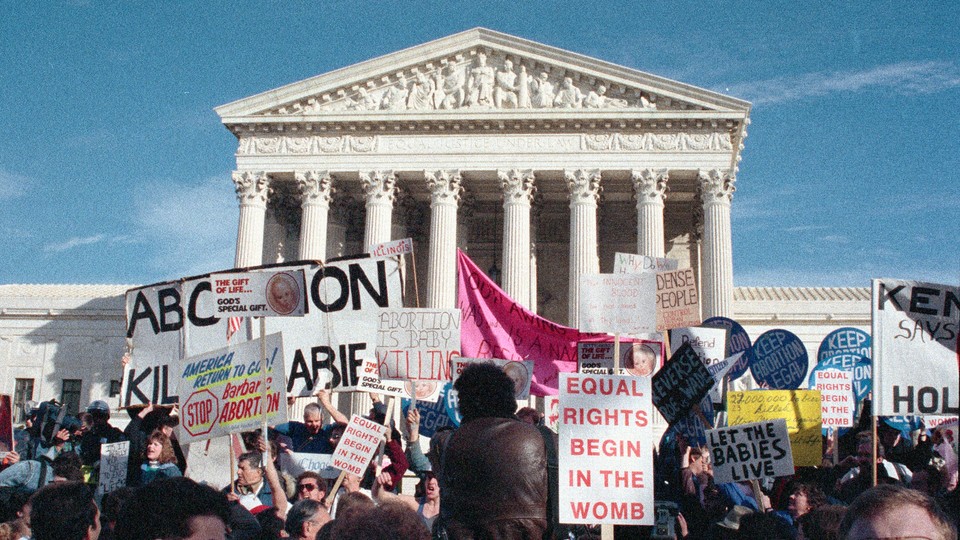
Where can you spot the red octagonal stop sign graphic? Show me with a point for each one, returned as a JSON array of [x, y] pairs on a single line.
[[200, 412]]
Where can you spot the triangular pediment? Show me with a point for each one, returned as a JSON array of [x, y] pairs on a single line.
[[479, 71]]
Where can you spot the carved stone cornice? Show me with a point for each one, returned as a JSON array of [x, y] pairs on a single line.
[[315, 186], [650, 185], [379, 186], [252, 187], [716, 186], [584, 185], [445, 186], [517, 185]]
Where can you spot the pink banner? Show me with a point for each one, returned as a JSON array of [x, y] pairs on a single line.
[[494, 326]]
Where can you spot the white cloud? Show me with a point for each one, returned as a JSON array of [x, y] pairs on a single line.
[[12, 185], [806, 228], [74, 242], [902, 78], [189, 229]]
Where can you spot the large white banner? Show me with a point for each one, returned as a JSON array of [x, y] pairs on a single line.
[[606, 450], [327, 346], [916, 331]]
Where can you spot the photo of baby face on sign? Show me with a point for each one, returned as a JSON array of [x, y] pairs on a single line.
[[259, 294], [520, 372]]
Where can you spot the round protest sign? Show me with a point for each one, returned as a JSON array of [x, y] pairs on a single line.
[[737, 341], [433, 413], [779, 360], [845, 340], [449, 398]]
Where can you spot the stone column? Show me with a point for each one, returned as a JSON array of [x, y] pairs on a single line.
[[716, 289], [253, 188], [445, 190], [379, 189], [316, 191], [584, 188], [518, 191], [650, 187]]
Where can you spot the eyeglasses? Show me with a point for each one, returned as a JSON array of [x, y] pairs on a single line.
[[307, 487]]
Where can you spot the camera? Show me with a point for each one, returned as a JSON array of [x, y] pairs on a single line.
[[51, 417], [665, 513]]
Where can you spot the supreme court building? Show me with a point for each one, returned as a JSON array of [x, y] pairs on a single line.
[[539, 163]]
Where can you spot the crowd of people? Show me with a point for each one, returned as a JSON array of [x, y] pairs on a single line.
[[495, 476]]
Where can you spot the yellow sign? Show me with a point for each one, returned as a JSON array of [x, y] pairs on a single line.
[[801, 410]]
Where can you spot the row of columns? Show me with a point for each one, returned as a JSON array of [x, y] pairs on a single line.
[[518, 186]]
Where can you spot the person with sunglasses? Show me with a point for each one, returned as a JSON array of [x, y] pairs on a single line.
[[311, 486]]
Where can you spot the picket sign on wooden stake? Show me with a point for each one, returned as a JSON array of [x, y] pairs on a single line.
[[758, 495], [386, 423], [263, 381], [606, 529]]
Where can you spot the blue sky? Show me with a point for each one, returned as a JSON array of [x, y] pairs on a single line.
[[115, 169]]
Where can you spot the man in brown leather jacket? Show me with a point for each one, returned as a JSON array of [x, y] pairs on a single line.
[[494, 467]]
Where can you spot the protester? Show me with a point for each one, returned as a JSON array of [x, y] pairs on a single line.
[[823, 523], [305, 519], [174, 509], [494, 473], [893, 511], [427, 506], [416, 460], [158, 460], [311, 486], [147, 420], [311, 436], [100, 432], [64, 511], [859, 478], [34, 474], [804, 497]]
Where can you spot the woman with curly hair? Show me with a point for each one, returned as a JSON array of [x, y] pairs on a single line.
[[805, 497], [159, 460]]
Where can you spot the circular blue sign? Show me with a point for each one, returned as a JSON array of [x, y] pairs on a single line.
[[449, 398], [779, 360], [845, 340], [737, 341], [433, 414]]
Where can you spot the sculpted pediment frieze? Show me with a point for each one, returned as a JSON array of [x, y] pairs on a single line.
[[475, 72]]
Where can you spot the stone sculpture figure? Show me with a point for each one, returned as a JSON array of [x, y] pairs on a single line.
[[453, 87], [421, 93], [438, 93], [569, 96], [480, 83], [395, 98], [505, 91], [599, 100], [366, 101], [543, 93], [523, 89]]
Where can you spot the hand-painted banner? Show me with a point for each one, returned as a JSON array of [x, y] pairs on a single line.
[[640, 357], [618, 303], [360, 441], [494, 326], [628, 263], [327, 346], [417, 343], [295, 463], [260, 293], [737, 341], [916, 348], [223, 390], [779, 360], [606, 460], [800, 408], [750, 451], [113, 466], [403, 246], [678, 299], [520, 373], [681, 384], [845, 340]]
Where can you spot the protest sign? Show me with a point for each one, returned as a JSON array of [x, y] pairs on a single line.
[[845, 340], [551, 405], [691, 425], [154, 318], [260, 293], [6, 424], [859, 365], [404, 246], [370, 381], [494, 326], [737, 341], [710, 344], [452, 403], [915, 348], [637, 357], [801, 410], [678, 299], [618, 303], [606, 457], [223, 390], [358, 444], [295, 463], [417, 343], [433, 412], [837, 403], [629, 263], [750, 451], [520, 373], [680, 384], [779, 360], [113, 466]]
